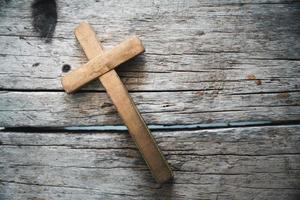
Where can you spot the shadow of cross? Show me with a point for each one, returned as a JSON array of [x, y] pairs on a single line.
[[101, 65]]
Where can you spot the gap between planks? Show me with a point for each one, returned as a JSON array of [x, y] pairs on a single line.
[[152, 127]]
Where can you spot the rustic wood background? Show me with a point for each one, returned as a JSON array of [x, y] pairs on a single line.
[[232, 67]]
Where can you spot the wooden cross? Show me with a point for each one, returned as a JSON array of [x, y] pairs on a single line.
[[101, 65]]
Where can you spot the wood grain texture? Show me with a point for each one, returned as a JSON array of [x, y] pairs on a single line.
[[215, 48], [224, 43], [231, 163], [53, 109], [207, 61]]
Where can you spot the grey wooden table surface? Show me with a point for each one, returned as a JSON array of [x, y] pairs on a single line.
[[218, 83]]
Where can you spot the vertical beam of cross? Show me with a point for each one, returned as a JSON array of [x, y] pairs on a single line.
[[127, 109]]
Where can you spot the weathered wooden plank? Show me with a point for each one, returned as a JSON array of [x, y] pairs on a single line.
[[228, 72], [205, 28], [226, 44], [60, 109], [241, 16], [231, 163], [241, 56]]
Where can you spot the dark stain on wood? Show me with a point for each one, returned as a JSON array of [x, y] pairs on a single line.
[[44, 18], [199, 33], [200, 93], [35, 198], [105, 105], [253, 77], [283, 95], [258, 82], [35, 64]]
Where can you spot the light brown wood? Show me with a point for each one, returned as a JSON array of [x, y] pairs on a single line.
[[126, 108], [101, 64]]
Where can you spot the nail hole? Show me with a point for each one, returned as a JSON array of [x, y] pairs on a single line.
[[35, 64], [66, 68]]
